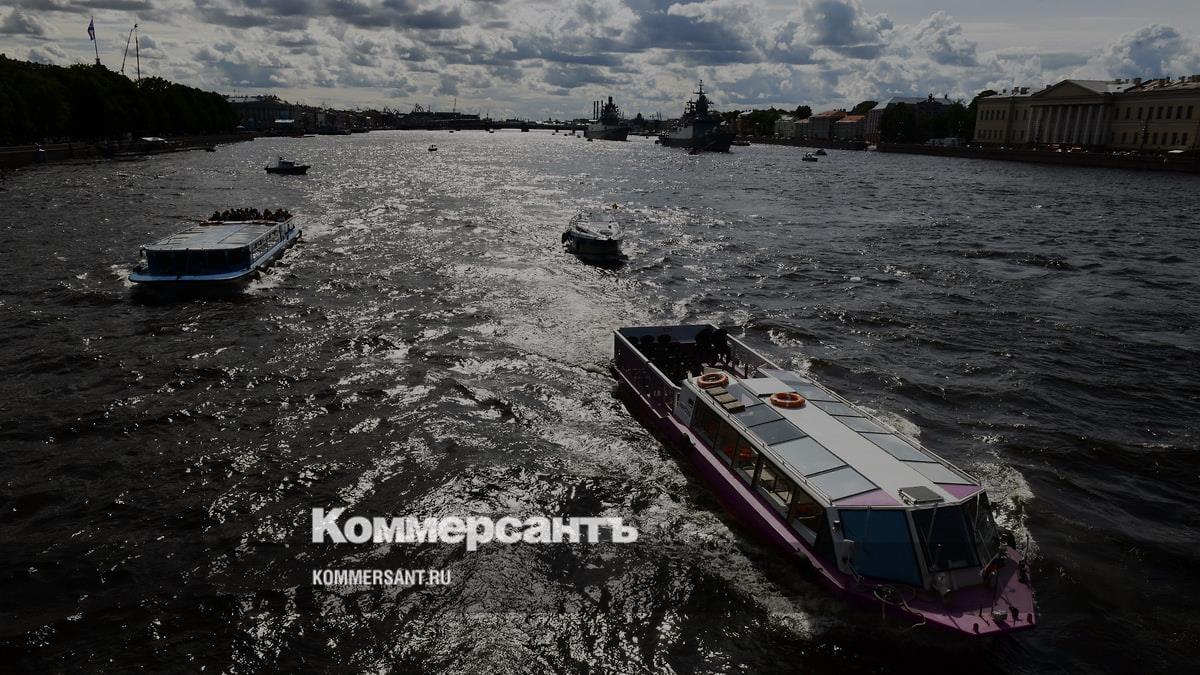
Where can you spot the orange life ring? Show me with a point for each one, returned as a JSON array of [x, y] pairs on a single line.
[[710, 380], [787, 399]]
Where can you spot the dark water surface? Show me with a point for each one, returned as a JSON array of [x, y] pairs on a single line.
[[428, 350]]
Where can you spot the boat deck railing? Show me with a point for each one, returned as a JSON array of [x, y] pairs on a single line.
[[644, 376], [746, 359]]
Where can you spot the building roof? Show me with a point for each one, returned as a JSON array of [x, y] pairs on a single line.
[[851, 119], [908, 100], [831, 113], [1164, 84], [1100, 86]]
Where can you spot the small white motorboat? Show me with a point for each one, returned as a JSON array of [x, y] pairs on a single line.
[[288, 167], [808, 157], [595, 235]]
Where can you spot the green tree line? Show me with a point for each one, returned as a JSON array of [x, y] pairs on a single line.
[[42, 103]]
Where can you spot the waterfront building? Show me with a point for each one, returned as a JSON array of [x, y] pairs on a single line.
[[849, 128], [922, 107], [1161, 114], [785, 127], [802, 129], [821, 125], [268, 113], [1004, 118]]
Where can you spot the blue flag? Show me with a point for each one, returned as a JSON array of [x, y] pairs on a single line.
[[92, 29]]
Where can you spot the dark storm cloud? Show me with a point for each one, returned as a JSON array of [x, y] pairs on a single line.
[[84, 6], [295, 14], [570, 77], [842, 26], [696, 39]]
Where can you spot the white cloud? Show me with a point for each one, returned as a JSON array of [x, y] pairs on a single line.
[[49, 53], [1153, 51]]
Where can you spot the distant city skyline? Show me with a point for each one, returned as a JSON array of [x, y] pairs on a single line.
[[534, 58]]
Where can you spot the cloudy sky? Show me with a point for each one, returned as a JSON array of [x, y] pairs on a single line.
[[542, 58]]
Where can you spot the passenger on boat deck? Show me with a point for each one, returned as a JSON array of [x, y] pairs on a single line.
[[720, 344], [704, 345], [649, 348]]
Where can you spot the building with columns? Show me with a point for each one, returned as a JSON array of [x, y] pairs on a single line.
[[1094, 114]]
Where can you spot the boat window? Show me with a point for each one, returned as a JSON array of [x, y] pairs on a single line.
[[777, 487], [983, 526], [746, 461], [883, 546], [705, 423], [944, 538], [727, 441], [805, 513]]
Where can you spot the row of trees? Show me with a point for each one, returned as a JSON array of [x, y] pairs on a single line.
[[40, 103], [905, 123]]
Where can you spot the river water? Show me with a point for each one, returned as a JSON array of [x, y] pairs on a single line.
[[428, 350]]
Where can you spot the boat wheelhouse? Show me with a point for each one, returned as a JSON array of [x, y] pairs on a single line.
[[880, 518], [219, 255]]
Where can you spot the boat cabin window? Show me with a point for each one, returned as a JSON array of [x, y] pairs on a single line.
[[746, 461], [883, 545], [706, 424], [945, 541], [983, 526], [727, 443], [805, 513], [777, 487]]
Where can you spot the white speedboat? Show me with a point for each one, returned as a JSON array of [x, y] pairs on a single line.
[[595, 235]]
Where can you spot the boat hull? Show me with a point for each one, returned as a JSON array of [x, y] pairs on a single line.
[[607, 133], [709, 143], [592, 248], [966, 612], [289, 170]]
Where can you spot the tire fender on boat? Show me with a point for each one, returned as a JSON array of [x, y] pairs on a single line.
[[787, 399], [710, 380]]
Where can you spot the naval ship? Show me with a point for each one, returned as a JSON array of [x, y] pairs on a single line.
[[608, 125], [699, 129]]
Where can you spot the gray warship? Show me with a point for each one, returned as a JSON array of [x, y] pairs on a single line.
[[699, 129]]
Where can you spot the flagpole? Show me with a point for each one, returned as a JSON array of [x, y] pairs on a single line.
[[95, 43]]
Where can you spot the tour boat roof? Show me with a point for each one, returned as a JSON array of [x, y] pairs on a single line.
[[216, 235], [845, 454], [836, 447]]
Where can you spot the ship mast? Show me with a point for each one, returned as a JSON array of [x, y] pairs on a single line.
[[136, 52]]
